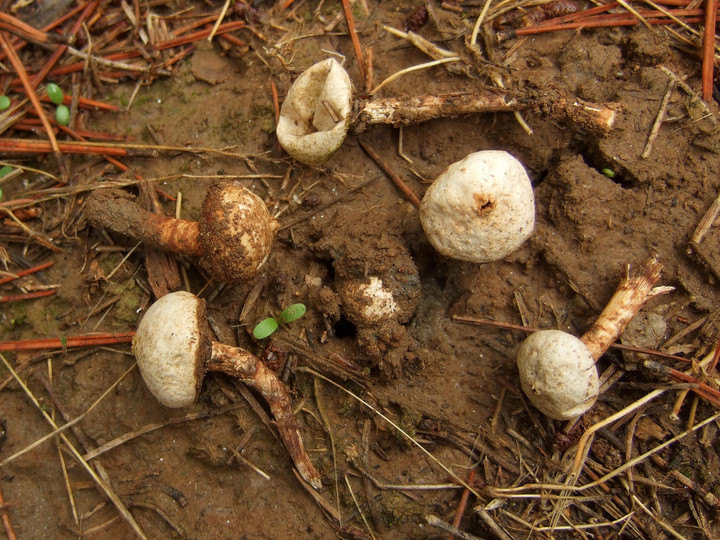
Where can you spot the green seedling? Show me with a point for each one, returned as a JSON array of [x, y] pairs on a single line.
[[4, 102], [267, 327], [55, 93], [608, 172], [62, 115]]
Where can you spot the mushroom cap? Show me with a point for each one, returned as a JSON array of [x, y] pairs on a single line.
[[557, 374], [315, 116], [236, 233], [480, 208], [171, 346]]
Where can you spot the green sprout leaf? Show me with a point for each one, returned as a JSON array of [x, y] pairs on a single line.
[[62, 115], [265, 328], [7, 169], [608, 172], [55, 93], [4, 102], [292, 313]]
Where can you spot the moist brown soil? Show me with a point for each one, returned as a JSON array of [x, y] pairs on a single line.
[[451, 386]]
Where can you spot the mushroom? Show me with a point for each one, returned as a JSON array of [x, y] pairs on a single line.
[[174, 351], [315, 116], [233, 238], [480, 208], [557, 370]]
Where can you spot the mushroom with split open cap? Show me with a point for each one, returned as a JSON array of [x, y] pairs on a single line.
[[315, 116], [174, 351]]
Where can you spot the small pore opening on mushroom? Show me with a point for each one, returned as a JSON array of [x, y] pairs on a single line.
[[344, 328], [483, 203]]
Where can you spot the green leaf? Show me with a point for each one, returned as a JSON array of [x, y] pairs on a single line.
[[608, 172], [62, 115], [292, 313], [7, 169], [4, 102], [265, 328], [63, 342], [55, 93]]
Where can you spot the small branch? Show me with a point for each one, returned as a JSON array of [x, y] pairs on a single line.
[[90, 340], [347, 10], [708, 57], [24, 273], [385, 166]]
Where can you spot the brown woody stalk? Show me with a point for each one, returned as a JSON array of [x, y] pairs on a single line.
[[248, 368], [402, 111], [630, 296]]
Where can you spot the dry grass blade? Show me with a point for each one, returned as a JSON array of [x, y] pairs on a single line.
[[406, 435], [69, 424], [104, 486]]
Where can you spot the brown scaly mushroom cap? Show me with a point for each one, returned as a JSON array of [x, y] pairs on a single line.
[[172, 346], [236, 232]]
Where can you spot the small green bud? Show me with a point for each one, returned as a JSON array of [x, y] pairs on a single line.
[[292, 313], [264, 328], [55, 93], [4, 102], [608, 172], [62, 115]]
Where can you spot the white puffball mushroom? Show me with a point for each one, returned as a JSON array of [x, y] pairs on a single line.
[[172, 348], [557, 374], [480, 208], [315, 116]]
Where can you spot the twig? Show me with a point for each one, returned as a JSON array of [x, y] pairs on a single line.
[[220, 18], [659, 119], [6, 519], [453, 530], [530, 329], [350, 20], [388, 170], [107, 489], [70, 423], [328, 204], [463, 501], [23, 273], [122, 439], [30, 91], [89, 340], [27, 296], [400, 430], [708, 56], [405, 71]]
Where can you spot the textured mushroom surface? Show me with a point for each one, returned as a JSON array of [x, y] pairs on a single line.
[[236, 232], [557, 373], [480, 208], [315, 116], [172, 346]]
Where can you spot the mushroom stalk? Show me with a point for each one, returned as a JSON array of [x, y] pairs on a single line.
[[233, 239], [403, 111], [630, 296], [239, 363], [117, 211]]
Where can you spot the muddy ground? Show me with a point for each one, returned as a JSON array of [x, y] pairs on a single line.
[[451, 386]]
